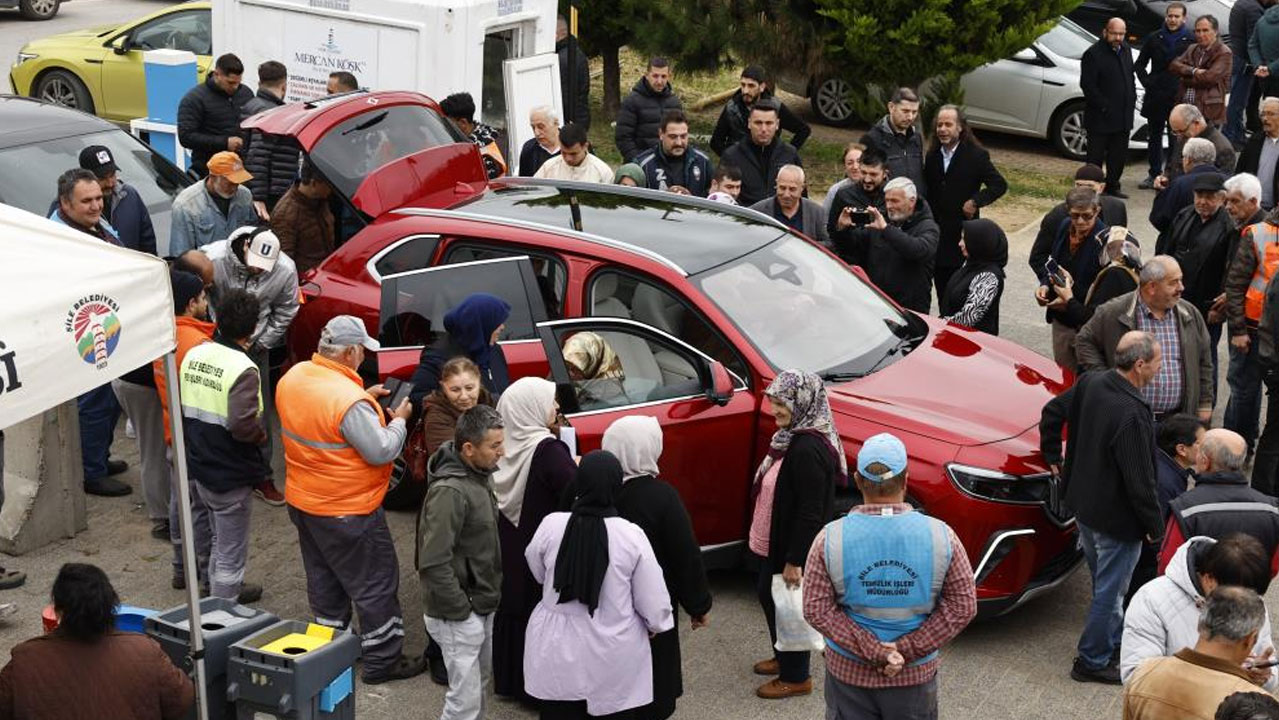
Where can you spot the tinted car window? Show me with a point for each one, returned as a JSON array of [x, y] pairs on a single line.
[[551, 276], [414, 304], [180, 31], [412, 254], [366, 142]]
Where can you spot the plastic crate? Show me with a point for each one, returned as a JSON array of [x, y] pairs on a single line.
[[294, 669]]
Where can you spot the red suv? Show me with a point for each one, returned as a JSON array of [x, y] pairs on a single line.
[[704, 304]]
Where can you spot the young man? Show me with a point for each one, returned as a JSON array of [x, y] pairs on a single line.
[[726, 184], [225, 431], [272, 160], [674, 164], [575, 161], [210, 113], [642, 110], [732, 124], [460, 109], [761, 153], [303, 221], [459, 559], [896, 136]]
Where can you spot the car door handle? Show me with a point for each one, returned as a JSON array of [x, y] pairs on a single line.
[[1054, 83], [92, 61]]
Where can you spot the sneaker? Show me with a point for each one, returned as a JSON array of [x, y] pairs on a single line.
[[129, 432], [266, 492], [115, 467], [160, 529], [776, 689], [1109, 675], [10, 579], [403, 668], [1148, 183], [249, 593], [106, 487]]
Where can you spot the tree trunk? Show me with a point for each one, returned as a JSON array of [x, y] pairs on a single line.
[[612, 82]]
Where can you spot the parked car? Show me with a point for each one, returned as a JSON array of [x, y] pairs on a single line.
[[1145, 16], [42, 140], [33, 9], [99, 69], [699, 300], [1035, 92]]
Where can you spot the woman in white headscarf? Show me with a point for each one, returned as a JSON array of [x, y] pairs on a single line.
[[655, 506], [534, 470]]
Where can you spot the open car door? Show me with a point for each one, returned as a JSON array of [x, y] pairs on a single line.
[[707, 414], [414, 304]]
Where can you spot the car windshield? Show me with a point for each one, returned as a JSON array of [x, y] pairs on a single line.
[[802, 308], [350, 151], [29, 174], [1067, 40]]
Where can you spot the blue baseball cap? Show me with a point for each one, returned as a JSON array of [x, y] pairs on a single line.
[[884, 449]]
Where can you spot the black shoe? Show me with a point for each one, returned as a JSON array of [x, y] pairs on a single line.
[[179, 581], [439, 673], [1116, 193], [1080, 672], [160, 529], [1147, 184], [115, 467], [10, 579], [106, 487], [404, 668], [249, 593]]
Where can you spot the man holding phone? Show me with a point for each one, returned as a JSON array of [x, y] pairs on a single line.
[[339, 450], [1076, 249]]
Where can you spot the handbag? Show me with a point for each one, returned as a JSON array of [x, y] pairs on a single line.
[[415, 454], [794, 634]]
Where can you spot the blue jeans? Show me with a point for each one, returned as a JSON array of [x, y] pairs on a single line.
[[1111, 562], [1240, 90], [99, 410], [1243, 411]]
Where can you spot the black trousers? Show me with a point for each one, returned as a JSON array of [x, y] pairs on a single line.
[[1111, 149], [1266, 461], [575, 710], [793, 665]]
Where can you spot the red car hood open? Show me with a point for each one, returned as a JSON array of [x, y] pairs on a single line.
[[958, 386]]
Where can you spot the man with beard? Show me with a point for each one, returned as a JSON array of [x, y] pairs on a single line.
[[208, 211], [732, 124], [898, 246], [896, 136], [674, 165]]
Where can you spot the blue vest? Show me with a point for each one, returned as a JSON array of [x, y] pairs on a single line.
[[887, 571]]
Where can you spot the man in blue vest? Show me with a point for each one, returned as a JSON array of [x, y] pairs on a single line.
[[887, 587]]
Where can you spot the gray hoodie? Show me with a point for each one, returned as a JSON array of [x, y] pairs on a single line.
[[459, 559]]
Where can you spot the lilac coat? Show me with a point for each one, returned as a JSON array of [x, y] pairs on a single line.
[[605, 659]]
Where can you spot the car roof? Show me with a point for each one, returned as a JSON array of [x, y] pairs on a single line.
[[28, 120], [660, 223]]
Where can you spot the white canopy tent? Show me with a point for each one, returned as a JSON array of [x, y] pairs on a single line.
[[75, 313]]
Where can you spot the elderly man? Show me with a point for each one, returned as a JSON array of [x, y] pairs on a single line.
[[896, 136], [872, 660], [339, 449], [852, 174], [1193, 682], [1204, 69], [575, 161], [674, 164], [1197, 159], [791, 208], [545, 143], [761, 153], [1075, 250], [642, 109], [1109, 477], [896, 246], [1185, 122], [1113, 213], [1260, 154], [1184, 382], [1110, 95], [1222, 501], [209, 210]]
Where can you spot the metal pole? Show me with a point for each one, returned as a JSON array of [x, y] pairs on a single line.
[[171, 379], [571, 111]]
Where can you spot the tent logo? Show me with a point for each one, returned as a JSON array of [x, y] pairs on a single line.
[[95, 326]]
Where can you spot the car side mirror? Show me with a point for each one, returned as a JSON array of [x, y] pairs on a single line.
[[120, 46], [721, 389], [1026, 55]]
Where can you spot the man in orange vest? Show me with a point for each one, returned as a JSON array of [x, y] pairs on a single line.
[[191, 314], [338, 449], [1252, 266]]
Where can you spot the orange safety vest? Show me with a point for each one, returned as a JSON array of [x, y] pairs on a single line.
[[1265, 237], [325, 475]]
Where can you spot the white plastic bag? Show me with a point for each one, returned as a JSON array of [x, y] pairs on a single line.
[[794, 634]]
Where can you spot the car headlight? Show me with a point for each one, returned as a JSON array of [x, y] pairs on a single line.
[[25, 56], [1001, 487]]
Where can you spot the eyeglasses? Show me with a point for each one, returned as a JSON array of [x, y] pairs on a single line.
[[1083, 216]]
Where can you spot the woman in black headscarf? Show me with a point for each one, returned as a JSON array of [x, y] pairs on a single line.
[[587, 649], [973, 293]]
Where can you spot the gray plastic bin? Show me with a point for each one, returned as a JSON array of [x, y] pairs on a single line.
[[311, 680]]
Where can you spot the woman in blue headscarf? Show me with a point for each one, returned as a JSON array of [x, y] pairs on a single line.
[[471, 329]]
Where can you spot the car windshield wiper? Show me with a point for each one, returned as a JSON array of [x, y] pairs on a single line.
[[901, 347]]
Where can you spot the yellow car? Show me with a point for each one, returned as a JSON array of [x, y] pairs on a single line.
[[99, 70]]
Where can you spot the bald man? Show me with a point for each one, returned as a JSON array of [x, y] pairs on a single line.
[[196, 263], [1110, 96], [1261, 153], [1222, 501], [789, 206]]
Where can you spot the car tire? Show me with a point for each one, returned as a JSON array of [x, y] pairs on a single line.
[[38, 9], [1066, 130], [62, 87], [832, 101], [402, 495]]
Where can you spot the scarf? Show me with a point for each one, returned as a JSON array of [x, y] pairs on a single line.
[[1172, 39], [471, 325], [591, 356], [636, 441], [805, 395], [526, 409], [987, 247], [582, 560]]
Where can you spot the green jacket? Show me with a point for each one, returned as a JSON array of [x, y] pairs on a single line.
[[459, 559]]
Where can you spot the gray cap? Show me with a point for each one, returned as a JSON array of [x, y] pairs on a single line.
[[347, 330]]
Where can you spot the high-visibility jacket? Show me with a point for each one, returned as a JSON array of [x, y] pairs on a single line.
[[217, 459], [887, 571], [1265, 238], [326, 475], [190, 332]]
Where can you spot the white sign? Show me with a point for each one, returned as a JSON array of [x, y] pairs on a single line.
[[315, 47], [509, 7]]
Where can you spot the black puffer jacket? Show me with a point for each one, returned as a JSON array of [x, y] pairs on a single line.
[[271, 159], [640, 117], [898, 259], [580, 70], [207, 117], [731, 126], [905, 153]]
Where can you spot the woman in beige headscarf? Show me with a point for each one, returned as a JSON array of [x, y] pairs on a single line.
[[530, 477], [595, 370]]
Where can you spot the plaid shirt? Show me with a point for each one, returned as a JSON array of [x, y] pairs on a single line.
[[956, 607], [1165, 393]]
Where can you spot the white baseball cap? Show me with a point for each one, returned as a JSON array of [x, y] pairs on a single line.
[[261, 246]]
